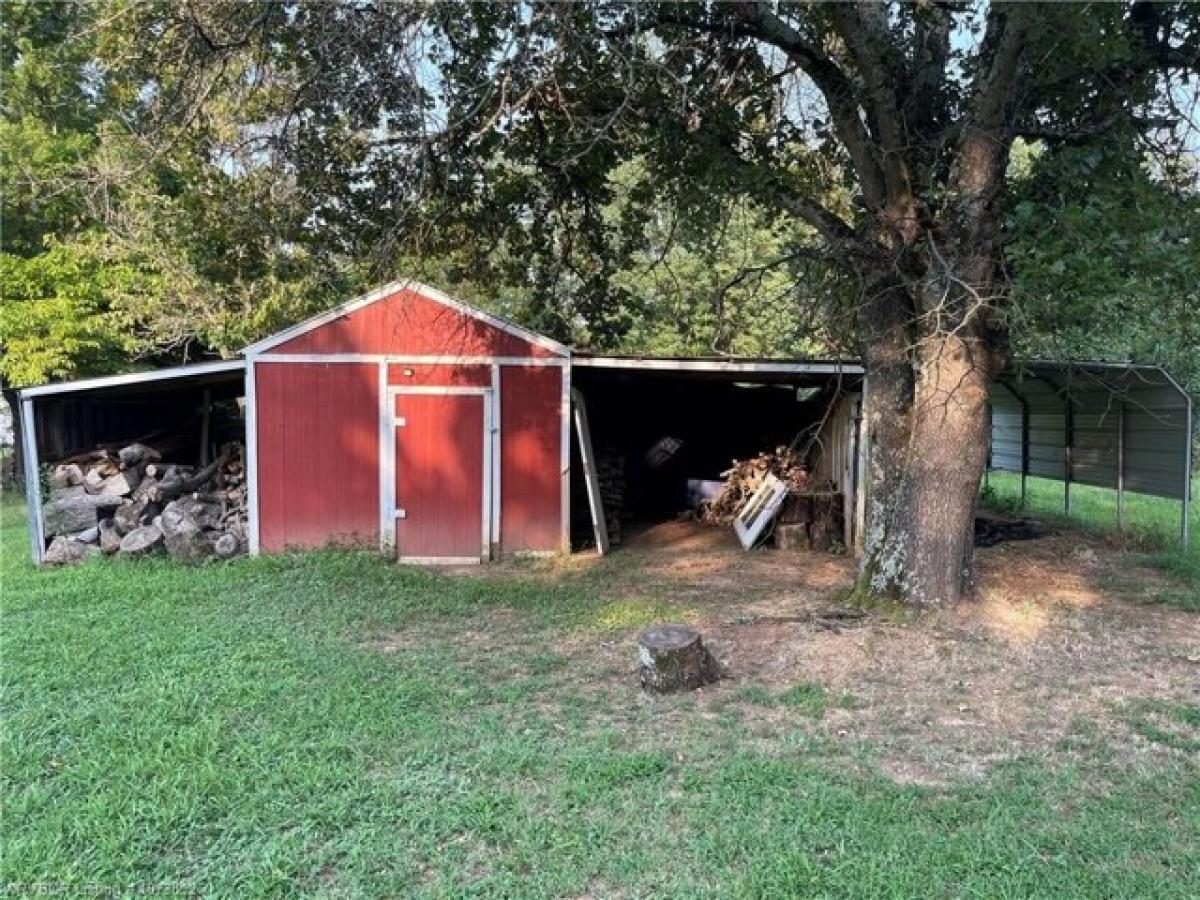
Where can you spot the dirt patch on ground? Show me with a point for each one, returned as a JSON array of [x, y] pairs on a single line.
[[1058, 649]]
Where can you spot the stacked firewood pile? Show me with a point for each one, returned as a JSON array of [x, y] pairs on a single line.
[[130, 502], [746, 476], [610, 474]]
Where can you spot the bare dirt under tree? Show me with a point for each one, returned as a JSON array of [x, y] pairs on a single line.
[[1064, 642]]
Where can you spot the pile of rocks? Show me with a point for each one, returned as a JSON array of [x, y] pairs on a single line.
[[132, 503]]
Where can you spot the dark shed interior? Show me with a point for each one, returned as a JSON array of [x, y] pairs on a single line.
[[68, 424], [653, 430]]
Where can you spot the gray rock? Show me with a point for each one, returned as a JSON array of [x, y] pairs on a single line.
[[90, 536]]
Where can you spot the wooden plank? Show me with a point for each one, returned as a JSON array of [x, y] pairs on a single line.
[[595, 502]]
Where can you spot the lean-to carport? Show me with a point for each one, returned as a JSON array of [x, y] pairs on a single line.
[[61, 419], [1120, 426], [666, 423]]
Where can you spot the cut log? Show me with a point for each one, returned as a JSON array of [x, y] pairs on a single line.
[[65, 551], [135, 454], [110, 538], [65, 476], [131, 516], [226, 546], [75, 513], [184, 523], [93, 480], [141, 540], [186, 511], [120, 485], [792, 536], [146, 487], [674, 658], [170, 488], [90, 536]]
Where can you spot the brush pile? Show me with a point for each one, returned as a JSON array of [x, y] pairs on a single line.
[[130, 502], [745, 477]]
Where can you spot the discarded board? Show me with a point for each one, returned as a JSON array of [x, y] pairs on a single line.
[[587, 454], [760, 510]]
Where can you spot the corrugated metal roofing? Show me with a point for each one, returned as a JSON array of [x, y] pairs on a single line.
[[1118, 426]]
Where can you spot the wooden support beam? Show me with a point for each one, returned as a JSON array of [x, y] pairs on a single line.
[[595, 501]]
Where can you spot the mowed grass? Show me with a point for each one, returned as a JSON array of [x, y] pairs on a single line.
[[1151, 523], [234, 730]]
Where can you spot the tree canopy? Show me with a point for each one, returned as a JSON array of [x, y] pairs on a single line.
[[622, 175]]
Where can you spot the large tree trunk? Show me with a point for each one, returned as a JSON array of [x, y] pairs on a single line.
[[927, 416]]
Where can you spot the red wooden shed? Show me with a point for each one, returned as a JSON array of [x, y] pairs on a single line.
[[411, 421]]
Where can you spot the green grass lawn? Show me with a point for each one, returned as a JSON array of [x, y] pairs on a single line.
[[236, 731]]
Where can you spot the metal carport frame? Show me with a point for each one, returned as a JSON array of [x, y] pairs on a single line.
[[1122, 426]]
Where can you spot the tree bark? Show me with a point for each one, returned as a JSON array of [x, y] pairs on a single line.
[[927, 418]]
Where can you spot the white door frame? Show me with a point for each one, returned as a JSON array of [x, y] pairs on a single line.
[[387, 468]]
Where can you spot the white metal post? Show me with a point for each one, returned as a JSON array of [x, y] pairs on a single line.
[[252, 453], [33, 487], [564, 438]]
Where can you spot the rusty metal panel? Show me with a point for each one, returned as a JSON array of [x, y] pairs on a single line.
[[407, 323], [318, 454], [530, 465]]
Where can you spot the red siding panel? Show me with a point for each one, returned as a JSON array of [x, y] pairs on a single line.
[[531, 461], [439, 475], [409, 323], [318, 454], [440, 376]]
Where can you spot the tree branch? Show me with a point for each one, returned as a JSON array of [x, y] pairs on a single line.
[[871, 49], [987, 130], [755, 20]]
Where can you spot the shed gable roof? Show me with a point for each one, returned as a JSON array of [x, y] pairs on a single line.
[[407, 316]]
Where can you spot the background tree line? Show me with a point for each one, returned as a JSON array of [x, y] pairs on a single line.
[[119, 250]]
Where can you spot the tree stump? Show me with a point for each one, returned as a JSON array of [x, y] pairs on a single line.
[[674, 658]]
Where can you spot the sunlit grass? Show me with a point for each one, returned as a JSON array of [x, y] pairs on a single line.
[[1151, 524], [234, 731]]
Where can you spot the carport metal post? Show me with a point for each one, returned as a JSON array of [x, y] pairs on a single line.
[[1187, 477], [1069, 455], [33, 487], [987, 469], [1024, 449], [1121, 466]]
